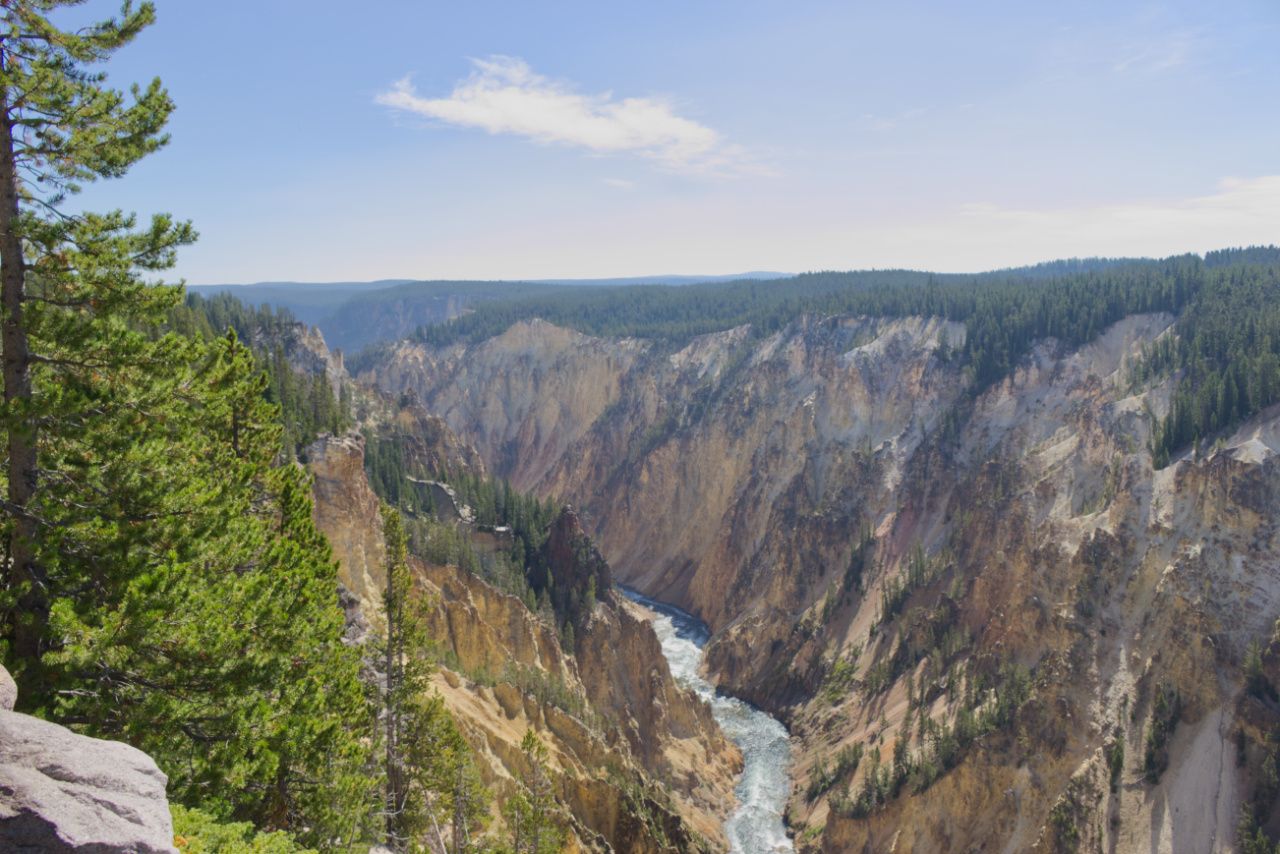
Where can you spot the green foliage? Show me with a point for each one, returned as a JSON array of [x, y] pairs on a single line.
[[72, 285], [840, 677], [531, 812], [495, 504], [430, 780], [1066, 831], [992, 706], [165, 584], [1005, 312], [1166, 708], [195, 612], [1115, 759], [549, 689], [822, 779], [1225, 356], [1226, 351], [1255, 676], [388, 473], [308, 406], [1250, 837], [859, 560], [197, 832], [896, 591], [447, 797], [932, 634]]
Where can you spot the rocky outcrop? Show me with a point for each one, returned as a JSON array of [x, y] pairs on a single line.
[[8, 691], [347, 512], [65, 792], [572, 572], [304, 349], [428, 446]]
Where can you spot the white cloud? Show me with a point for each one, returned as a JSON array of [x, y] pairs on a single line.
[[618, 183], [503, 95]]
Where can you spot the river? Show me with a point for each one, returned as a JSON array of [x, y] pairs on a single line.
[[756, 825]]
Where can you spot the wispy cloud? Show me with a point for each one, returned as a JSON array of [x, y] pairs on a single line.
[[1160, 53], [503, 95], [618, 183]]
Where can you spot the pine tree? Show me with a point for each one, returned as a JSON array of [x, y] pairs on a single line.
[[71, 285], [401, 681], [430, 780], [531, 811], [164, 582], [214, 640]]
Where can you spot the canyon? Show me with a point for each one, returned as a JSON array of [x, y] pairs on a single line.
[[883, 551]]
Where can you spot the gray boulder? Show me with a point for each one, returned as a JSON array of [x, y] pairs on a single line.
[[60, 791], [8, 691]]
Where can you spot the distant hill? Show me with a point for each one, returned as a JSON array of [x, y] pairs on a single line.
[[310, 302], [353, 315], [759, 275]]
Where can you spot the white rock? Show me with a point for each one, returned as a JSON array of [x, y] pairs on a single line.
[[8, 691], [60, 791]]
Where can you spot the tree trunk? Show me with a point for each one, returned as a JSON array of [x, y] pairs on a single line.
[[24, 573], [395, 796]]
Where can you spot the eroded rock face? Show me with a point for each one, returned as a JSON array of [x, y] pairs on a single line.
[[305, 350], [727, 478], [347, 512], [614, 706], [738, 476], [65, 792], [522, 399], [640, 763]]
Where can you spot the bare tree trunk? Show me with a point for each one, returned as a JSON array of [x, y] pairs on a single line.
[[436, 843], [392, 801], [24, 572], [459, 810]]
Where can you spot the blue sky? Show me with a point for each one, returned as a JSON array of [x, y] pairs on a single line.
[[329, 141]]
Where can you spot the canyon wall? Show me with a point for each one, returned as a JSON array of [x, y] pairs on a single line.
[[886, 554], [638, 763]]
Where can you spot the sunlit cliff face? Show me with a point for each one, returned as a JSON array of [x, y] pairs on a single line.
[[736, 477]]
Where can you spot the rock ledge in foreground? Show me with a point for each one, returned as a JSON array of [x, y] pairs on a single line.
[[60, 791]]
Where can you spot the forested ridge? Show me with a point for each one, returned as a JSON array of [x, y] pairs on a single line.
[[308, 405], [1223, 352], [1225, 356]]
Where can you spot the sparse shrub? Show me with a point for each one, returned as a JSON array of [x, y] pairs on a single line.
[[1165, 711], [1115, 759]]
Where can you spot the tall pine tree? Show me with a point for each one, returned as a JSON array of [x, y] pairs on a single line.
[[431, 789], [71, 286], [163, 580]]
